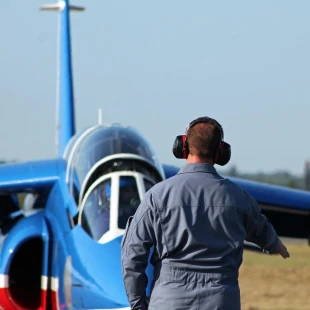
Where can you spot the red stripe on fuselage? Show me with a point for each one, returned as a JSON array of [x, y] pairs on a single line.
[[43, 299], [7, 302]]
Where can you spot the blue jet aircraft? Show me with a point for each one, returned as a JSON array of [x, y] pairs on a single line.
[[61, 248]]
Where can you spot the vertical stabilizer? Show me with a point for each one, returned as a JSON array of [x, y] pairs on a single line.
[[65, 124]]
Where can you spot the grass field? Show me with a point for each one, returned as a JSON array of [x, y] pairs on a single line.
[[269, 282]]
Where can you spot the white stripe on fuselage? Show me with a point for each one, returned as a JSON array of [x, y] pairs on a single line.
[[4, 281], [55, 284], [44, 282]]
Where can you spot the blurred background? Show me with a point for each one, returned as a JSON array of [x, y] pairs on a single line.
[[156, 66]]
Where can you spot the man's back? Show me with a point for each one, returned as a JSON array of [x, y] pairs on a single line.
[[202, 219]]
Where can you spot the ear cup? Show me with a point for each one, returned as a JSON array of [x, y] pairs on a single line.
[[179, 148], [223, 155]]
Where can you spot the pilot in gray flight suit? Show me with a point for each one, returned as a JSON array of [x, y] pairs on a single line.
[[197, 222]]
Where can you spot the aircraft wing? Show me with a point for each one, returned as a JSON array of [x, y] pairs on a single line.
[[287, 209], [35, 175]]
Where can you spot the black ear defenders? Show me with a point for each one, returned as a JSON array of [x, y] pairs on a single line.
[[180, 147]]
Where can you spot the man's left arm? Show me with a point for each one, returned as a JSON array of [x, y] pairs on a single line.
[[139, 237]]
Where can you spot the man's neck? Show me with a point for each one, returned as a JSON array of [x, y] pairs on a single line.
[[194, 159]]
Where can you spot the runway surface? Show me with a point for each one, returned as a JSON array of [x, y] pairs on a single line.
[[294, 241]]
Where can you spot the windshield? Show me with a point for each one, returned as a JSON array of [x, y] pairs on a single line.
[[96, 211], [147, 184], [110, 201], [128, 198]]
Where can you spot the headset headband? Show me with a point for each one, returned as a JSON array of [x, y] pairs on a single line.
[[208, 120]]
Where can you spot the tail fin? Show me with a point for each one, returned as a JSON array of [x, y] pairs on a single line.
[[65, 124]]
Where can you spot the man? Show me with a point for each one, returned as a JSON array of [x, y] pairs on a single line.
[[197, 222]]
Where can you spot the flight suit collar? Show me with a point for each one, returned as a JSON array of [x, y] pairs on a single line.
[[199, 167]]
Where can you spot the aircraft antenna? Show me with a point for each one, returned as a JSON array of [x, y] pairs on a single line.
[[99, 116]]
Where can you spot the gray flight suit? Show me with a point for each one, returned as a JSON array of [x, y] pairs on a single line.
[[197, 222]]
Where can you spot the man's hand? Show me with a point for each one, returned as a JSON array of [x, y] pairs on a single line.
[[282, 250]]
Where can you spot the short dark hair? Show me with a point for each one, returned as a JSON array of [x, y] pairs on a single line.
[[203, 140]]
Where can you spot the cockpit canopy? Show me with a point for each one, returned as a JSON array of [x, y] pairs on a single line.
[[104, 142], [109, 169]]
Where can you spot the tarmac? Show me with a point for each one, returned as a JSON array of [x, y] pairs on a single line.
[[296, 241]]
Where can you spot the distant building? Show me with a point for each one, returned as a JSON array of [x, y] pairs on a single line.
[[307, 176]]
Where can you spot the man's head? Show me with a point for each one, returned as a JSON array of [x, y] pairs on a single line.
[[203, 142]]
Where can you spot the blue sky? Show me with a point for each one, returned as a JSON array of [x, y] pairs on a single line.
[[156, 65]]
